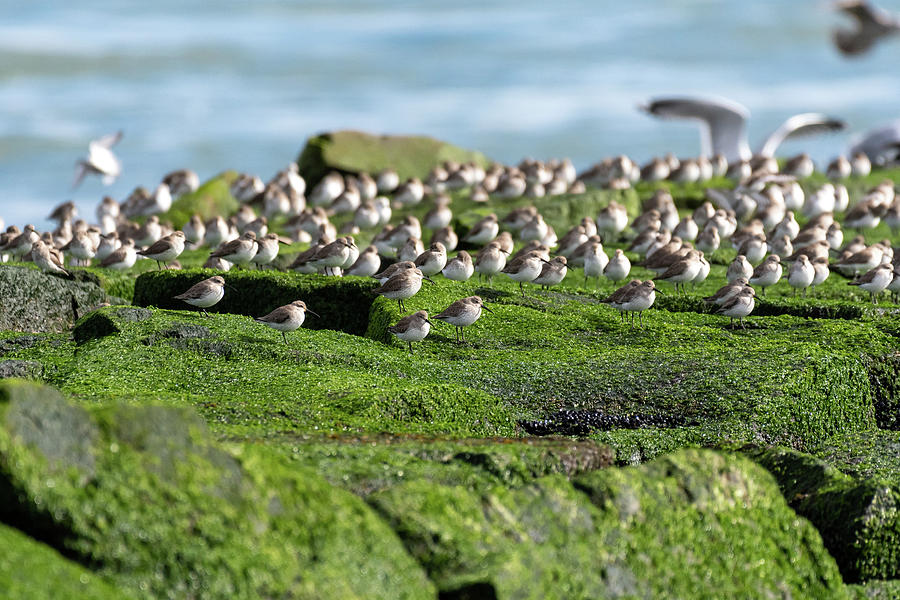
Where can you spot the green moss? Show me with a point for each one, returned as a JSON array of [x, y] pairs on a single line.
[[859, 520], [355, 152], [211, 199], [146, 497], [876, 590], [30, 570], [697, 524]]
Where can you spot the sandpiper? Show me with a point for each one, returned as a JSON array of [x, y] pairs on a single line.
[[43, 257], [284, 318], [149, 233], [402, 286], [433, 260], [447, 237], [524, 269], [100, 160], [367, 263], [768, 273], [517, 218], [246, 187], [536, 229], [20, 245], [194, 230], [413, 328], [820, 264], [267, 249], [637, 299], [81, 247], [739, 267], [595, 261], [739, 306], [618, 266], [490, 260], [615, 298], [410, 192], [327, 190], [121, 258], [411, 249], [876, 280], [727, 292], [215, 232], [552, 272], [483, 231], [239, 251], [462, 313], [439, 216], [459, 268], [303, 262], [387, 181], [166, 249], [801, 274], [683, 270], [204, 294], [182, 181], [108, 244], [334, 255], [392, 270]]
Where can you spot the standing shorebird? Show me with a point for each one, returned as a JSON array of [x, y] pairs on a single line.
[[121, 258], [524, 269], [616, 297], [636, 299], [204, 294], [286, 318], [413, 328], [239, 251], [739, 306], [367, 264], [402, 286], [47, 258], [490, 260], [433, 260], [483, 231], [462, 313], [618, 267], [876, 280], [266, 250], [768, 273], [166, 249], [801, 274], [552, 272], [460, 268]]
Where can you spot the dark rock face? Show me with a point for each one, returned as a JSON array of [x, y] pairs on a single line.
[[28, 369], [34, 301], [355, 152]]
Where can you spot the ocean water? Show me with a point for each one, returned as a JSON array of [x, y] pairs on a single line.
[[213, 85]]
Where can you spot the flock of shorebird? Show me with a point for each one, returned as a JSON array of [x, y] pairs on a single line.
[[757, 216]]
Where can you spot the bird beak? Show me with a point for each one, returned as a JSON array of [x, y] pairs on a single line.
[[190, 243], [313, 313], [429, 321], [427, 278], [545, 261], [486, 308], [657, 290]]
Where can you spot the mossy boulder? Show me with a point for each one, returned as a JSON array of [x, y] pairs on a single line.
[[144, 496], [859, 520], [355, 152], [876, 590], [211, 199], [34, 301], [30, 570], [342, 303], [697, 524]]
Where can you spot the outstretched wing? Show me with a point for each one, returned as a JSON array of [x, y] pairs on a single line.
[[802, 125], [81, 169], [108, 141], [724, 123], [877, 142]]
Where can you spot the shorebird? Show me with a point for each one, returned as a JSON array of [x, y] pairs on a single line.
[[801, 274], [411, 249], [595, 261], [327, 190], [267, 248], [517, 218], [876, 280], [205, 293], [726, 292], [490, 260], [872, 25], [439, 216], [682, 271], [20, 245], [459, 268], [239, 251], [724, 125], [739, 267], [393, 269], [552, 272], [387, 181], [44, 257], [149, 233], [483, 231], [618, 267], [194, 230], [402, 286], [166, 249], [367, 263], [100, 161], [285, 318], [246, 187], [334, 255], [447, 237], [637, 298], [740, 306], [182, 181], [81, 247], [303, 262], [616, 297], [433, 260], [524, 269], [462, 313], [768, 273], [413, 328], [410, 192]]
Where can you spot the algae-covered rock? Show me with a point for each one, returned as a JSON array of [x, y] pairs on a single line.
[[859, 520], [145, 497], [30, 570], [696, 524], [876, 590], [211, 199], [34, 301], [355, 152]]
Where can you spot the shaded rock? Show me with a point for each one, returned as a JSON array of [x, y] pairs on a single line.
[[859, 520], [34, 301], [168, 513], [29, 569], [356, 152], [20, 368], [693, 524], [96, 325]]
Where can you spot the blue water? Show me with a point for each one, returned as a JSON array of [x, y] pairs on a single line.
[[223, 84]]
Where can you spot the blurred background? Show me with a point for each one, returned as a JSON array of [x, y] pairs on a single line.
[[213, 85]]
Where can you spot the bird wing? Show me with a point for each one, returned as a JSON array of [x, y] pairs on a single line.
[[724, 123], [81, 169], [108, 141], [804, 124], [876, 142]]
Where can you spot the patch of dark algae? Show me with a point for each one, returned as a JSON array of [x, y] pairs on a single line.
[[584, 422]]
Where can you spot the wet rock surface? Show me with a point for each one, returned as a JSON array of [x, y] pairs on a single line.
[[37, 302]]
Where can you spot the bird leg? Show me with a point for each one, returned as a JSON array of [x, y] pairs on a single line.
[[410, 347], [522, 289], [284, 337]]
